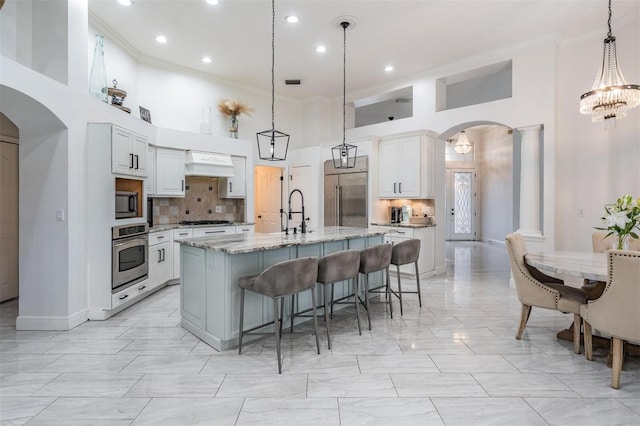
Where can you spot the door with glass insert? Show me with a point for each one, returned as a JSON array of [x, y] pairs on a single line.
[[460, 204]]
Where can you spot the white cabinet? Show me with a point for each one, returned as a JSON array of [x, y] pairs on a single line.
[[177, 235], [169, 172], [129, 294], [426, 260], [234, 187], [150, 181], [128, 152], [405, 167], [241, 229], [213, 231], [160, 258]]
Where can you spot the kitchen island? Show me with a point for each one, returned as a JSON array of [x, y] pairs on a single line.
[[210, 268]]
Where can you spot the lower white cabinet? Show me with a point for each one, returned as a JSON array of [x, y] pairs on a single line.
[[160, 258], [426, 260], [212, 231], [241, 229], [129, 293], [177, 235]]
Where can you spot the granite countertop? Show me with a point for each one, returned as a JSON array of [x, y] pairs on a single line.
[[248, 243], [169, 226], [403, 225]]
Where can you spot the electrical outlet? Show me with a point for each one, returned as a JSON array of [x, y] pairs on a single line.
[[580, 212], [218, 209]]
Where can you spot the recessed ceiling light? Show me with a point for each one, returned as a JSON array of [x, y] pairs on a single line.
[[292, 19], [125, 2], [161, 39], [388, 68], [206, 59], [321, 49], [214, 2]]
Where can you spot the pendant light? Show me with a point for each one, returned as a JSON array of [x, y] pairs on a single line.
[[462, 145], [611, 96], [344, 155], [273, 144]]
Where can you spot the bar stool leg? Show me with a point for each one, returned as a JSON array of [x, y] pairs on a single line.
[[355, 299], [241, 321], [366, 297], [293, 304], [388, 285], [277, 324], [327, 319], [315, 318], [332, 287], [399, 289], [418, 283]]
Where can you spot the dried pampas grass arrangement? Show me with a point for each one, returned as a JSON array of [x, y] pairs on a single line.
[[232, 107]]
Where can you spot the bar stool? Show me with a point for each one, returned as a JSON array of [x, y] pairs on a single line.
[[278, 281], [374, 259], [403, 253], [336, 267]]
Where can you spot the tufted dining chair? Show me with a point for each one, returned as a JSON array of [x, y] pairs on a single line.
[[616, 312], [537, 289], [602, 243]]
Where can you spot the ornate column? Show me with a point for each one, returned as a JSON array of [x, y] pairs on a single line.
[[530, 225]]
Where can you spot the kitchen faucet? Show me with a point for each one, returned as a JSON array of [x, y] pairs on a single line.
[[303, 225]]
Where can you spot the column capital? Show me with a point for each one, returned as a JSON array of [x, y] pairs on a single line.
[[532, 128]]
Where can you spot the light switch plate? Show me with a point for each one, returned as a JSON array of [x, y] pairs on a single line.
[[59, 215]]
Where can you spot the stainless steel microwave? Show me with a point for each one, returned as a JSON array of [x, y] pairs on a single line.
[[126, 204]]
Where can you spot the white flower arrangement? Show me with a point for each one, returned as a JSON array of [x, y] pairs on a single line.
[[622, 219]]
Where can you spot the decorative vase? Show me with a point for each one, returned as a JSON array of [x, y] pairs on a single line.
[[98, 76], [622, 243], [233, 127]]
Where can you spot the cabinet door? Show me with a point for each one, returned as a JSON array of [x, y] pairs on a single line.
[[150, 181], [170, 172], [139, 150], [234, 187], [122, 160], [178, 234], [160, 264], [409, 167], [388, 169]]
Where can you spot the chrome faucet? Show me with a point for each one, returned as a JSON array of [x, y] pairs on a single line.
[[303, 225]]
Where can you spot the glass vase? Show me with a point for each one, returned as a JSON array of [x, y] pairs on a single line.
[[233, 127], [622, 243], [98, 75]]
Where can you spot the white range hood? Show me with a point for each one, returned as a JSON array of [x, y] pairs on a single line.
[[208, 164]]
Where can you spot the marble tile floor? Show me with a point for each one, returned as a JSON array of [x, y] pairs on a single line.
[[455, 361]]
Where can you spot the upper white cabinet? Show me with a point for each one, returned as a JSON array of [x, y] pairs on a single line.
[[150, 181], [405, 168], [128, 152], [169, 173], [234, 187]]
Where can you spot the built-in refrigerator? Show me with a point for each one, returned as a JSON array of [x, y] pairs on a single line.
[[345, 194]]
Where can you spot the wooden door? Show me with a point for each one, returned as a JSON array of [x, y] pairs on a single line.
[[8, 221], [268, 198]]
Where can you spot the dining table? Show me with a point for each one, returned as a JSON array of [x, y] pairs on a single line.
[[588, 266]]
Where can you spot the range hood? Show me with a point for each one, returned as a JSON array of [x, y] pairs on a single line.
[[208, 164]]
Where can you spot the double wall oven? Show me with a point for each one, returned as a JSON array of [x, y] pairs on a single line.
[[130, 255]]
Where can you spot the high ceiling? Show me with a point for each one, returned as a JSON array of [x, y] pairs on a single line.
[[413, 36]]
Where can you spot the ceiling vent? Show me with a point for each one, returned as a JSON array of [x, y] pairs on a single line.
[[293, 82]]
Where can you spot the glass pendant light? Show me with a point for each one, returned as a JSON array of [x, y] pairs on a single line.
[[344, 155], [611, 96], [273, 144], [462, 145]]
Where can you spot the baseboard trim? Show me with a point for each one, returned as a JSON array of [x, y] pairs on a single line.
[[51, 323]]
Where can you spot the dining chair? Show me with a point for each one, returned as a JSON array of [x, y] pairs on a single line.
[[537, 289], [616, 312], [278, 281]]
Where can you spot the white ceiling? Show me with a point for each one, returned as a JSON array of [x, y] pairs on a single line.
[[412, 35]]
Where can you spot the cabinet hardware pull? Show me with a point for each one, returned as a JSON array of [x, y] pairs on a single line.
[[400, 187], [161, 237], [164, 257], [394, 187], [182, 185], [131, 161], [230, 187], [142, 287], [123, 297], [159, 256], [213, 232], [137, 162]]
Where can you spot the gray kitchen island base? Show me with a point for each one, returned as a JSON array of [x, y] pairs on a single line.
[[211, 266]]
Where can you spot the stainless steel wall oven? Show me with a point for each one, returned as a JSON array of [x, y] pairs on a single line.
[[130, 255]]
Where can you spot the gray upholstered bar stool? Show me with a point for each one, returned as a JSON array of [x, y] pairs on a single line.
[[404, 253], [278, 281], [340, 266], [374, 259]]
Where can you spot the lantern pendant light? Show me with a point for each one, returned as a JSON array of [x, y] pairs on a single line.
[[344, 155], [273, 144], [611, 96]]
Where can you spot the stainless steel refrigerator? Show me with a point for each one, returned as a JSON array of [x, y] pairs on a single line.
[[345, 195]]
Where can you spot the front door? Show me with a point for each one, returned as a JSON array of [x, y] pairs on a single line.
[[8, 221], [268, 196], [460, 204]]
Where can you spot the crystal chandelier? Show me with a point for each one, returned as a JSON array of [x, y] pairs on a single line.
[[611, 96], [344, 155], [273, 144], [462, 145]]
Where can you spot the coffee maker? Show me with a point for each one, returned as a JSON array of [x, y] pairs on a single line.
[[395, 214]]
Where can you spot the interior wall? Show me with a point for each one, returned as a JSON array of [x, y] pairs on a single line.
[[494, 152]]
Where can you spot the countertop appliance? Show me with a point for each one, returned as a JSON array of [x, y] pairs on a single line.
[[395, 214], [126, 204], [345, 194], [130, 255], [406, 214]]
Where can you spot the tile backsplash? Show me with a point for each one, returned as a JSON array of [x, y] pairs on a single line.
[[200, 202]]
